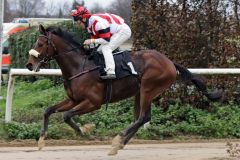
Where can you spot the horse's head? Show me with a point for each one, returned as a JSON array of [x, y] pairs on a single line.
[[42, 51]]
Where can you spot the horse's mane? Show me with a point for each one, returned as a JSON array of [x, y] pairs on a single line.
[[70, 37]]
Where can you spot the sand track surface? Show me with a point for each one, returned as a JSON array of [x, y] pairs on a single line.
[[155, 151]]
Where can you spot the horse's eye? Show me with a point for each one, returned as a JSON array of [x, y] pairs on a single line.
[[40, 44]]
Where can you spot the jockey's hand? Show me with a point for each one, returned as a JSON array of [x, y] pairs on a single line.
[[88, 42], [86, 47]]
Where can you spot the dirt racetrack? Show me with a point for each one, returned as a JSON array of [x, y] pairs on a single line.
[[163, 151]]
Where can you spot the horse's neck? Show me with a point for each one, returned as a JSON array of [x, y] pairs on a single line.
[[71, 63]]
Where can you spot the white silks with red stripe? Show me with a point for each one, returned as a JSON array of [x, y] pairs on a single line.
[[110, 31], [102, 21]]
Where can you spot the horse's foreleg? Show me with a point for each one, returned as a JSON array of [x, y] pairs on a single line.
[[84, 107], [62, 106], [68, 119]]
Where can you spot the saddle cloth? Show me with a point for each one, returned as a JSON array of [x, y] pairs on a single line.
[[123, 63]]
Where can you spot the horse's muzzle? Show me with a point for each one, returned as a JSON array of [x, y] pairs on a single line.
[[32, 67], [29, 66]]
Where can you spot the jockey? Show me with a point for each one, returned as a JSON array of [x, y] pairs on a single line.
[[107, 30]]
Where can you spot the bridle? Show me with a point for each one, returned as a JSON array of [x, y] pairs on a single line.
[[50, 43], [47, 56]]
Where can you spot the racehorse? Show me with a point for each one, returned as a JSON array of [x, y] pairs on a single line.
[[86, 90]]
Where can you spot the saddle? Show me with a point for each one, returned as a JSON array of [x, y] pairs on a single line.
[[124, 65]]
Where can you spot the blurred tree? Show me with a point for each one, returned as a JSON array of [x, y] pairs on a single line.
[[66, 8], [60, 13], [51, 9], [7, 12], [28, 8], [61, 10], [77, 3], [121, 8], [97, 8], [236, 7]]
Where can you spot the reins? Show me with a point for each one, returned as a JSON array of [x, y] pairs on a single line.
[[83, 72]]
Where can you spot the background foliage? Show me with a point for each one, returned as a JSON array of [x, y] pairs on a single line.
[[196, 34]]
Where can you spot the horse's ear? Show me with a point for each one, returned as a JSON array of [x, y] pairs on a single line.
[[42, 30]]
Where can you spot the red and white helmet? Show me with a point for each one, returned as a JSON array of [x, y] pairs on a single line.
[[79, 13]]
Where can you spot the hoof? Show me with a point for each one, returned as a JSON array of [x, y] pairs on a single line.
[[87, 128], [116, 141], [114, 150], [41, 143], [116, 145]]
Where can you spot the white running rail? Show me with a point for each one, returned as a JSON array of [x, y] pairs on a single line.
[[47, 72], [11, 80]]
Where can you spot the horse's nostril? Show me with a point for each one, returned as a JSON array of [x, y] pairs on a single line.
[[29, 66]]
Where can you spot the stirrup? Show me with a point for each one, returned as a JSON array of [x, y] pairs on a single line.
[[108, 76]]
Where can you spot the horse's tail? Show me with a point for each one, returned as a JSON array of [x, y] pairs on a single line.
[[186, 75]]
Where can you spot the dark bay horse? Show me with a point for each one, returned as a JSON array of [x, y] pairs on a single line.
[[86, 91]]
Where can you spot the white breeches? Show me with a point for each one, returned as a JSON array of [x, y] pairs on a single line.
[[116, 40]]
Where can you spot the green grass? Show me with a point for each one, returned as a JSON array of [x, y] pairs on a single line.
[[31, 99]]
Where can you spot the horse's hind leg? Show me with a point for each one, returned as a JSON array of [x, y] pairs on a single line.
[[136, 116], [144, 116], [84, 107], [119, 141], [136, 109], [149, 90], [60, 107], [128, 136]]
